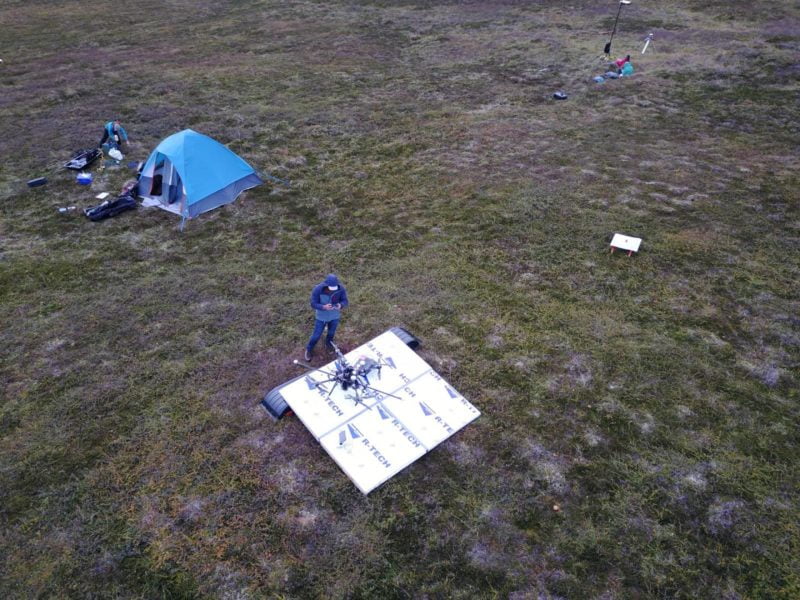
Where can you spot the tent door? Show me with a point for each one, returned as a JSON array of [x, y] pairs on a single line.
[[163, 187], [155, 188]]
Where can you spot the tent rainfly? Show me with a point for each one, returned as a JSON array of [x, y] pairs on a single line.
[[190, 173]]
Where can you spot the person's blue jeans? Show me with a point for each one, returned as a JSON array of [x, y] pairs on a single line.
[[319, 327]]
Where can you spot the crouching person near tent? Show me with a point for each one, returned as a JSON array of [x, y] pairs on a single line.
[[114, 133], [327, 299]]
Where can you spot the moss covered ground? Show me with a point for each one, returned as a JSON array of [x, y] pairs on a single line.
[[652, 399]]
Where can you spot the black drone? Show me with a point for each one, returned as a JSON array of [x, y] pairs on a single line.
[[351, 377]]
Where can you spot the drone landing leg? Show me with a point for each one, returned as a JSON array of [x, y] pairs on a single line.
[[358, 399]]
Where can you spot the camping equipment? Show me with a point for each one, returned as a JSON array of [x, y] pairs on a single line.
[[84, 178], [189, 173], [37, 182], [560, 96], [66, 209], [115, 154], [83, 158], [599, 79], [111, 208], [607, 49]]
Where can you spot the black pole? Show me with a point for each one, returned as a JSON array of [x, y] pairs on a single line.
[[613, 31]]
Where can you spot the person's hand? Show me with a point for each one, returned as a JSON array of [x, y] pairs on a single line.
[[338, 307], [327, 306]]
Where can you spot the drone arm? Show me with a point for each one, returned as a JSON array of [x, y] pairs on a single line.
[[369, 387], [323, 371]]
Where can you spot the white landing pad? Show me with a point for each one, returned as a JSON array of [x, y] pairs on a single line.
[[409, 410]]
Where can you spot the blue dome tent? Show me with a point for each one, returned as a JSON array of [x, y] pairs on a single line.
[[190, 173]]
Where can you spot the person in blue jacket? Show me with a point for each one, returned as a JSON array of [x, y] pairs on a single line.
[[327, 299], [114, 133]]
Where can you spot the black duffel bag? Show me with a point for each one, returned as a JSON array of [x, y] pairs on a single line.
[[83, 158], [111, 208]]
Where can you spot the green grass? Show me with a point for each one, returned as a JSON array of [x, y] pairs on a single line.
[[653, 399]]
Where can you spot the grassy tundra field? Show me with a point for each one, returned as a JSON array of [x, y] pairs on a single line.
[[652, 399]]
